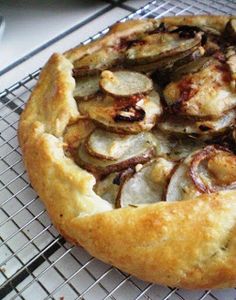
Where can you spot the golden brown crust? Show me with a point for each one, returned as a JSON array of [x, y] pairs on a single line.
[[189, 244], [184, 244], [52, 102]]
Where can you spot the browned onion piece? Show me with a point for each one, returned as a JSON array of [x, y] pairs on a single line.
[[130, 114], [104, 110], [205, 154]]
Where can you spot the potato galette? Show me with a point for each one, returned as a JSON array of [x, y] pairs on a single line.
[[130, 143]]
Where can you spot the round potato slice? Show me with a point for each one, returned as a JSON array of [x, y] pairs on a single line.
[[112, 146], [86, 87], [141, 153], [125, 83], [158, 46], [126, 115], [181, 186], [168, 62], [147, 185], [108, 188], [207, 170], [97, 61], [205, 129]]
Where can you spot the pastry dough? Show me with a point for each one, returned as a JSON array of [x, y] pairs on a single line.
[[189, 244]]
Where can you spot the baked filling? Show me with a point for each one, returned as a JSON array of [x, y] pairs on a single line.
[[130, 143], [160, 115]]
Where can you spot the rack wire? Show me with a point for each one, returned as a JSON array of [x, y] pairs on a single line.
[[36, 262]]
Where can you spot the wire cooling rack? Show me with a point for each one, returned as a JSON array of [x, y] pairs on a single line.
[[36, 262]]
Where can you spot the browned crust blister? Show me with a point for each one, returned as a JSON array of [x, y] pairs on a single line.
[[190, 244]]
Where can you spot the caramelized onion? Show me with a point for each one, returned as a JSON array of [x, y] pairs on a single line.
[[186, 31], [130, 114]]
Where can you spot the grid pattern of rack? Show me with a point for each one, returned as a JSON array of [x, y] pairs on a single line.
[[37, 263]]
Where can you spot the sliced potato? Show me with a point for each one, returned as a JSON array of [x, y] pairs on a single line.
[[191, 67], [181, 186], [158, 46], [162, 70], [205, 129], [147, 185], [106, 110], [175, 147], [86, 87], [108, 187], [162, 64], [78, 132], [98, 61], [112, 146], [125, 83], [142, 153], [206, 93], [207, 170], [210, 30]]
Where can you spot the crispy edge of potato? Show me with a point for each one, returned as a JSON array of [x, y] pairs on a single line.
[[99, 171]]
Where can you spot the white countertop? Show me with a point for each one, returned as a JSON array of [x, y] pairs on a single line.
[[35, 29], [30, 25]]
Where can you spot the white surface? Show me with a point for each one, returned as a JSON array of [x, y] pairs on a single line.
[[32, 23], [67, 42], [136, 3]]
